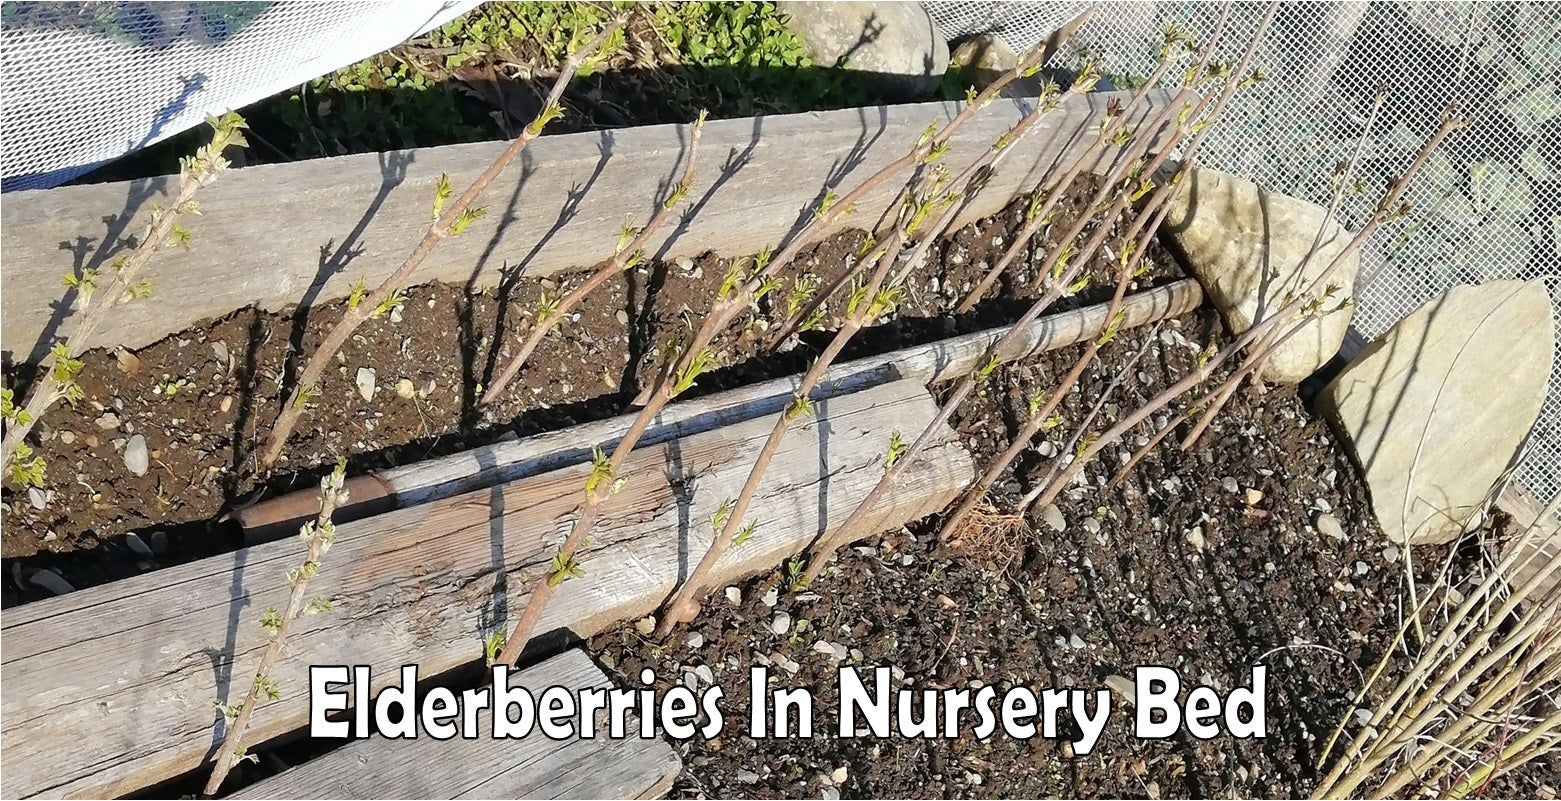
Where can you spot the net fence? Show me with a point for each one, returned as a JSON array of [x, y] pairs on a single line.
[[1488, 204], [86, 83]]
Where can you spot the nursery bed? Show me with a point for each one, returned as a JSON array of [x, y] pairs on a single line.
[[1126, 583], [201, 438]]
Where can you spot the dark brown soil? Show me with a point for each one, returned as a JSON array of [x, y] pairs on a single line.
[[1180, 567], [203, 435]]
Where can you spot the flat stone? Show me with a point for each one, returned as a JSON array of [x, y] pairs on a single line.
[[896, 42], [365, 381], [1329, 526], [1246, 246], [1054, 518], [137, 459], [1437, 407]]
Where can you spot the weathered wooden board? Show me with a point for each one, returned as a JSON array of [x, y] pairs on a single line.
[[532, 767], [935, 361], [110, 689], [277, 235]]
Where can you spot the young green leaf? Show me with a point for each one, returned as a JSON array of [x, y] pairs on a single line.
[[442, 193]]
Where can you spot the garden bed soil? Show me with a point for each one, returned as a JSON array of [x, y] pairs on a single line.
[[203, 436], [1181, 566]]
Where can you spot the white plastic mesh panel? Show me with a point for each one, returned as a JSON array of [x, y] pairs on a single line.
[[1488, 205], [85, 83]]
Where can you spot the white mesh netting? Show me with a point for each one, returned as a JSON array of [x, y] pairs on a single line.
[[1488, 206], [86, 83]]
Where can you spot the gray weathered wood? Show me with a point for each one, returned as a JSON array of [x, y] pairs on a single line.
[[110, 689], [264, 229], [530, 767], [936, 361]]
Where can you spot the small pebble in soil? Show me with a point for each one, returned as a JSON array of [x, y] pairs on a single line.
[[365, 380], [1053, 517], [67, 437], [108, 421], [1195, 538], [1230, 484], [1328, 525], [137, 459], [38, 498], [696, 640], [226, 404], [781, 623], [159, 542], [734, 596], [1122, 688], [645, 625], [404, 389], [771, 598], [1254, 497]]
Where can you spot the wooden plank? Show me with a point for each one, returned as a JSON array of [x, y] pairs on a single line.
[[275, 235], [531, 767], [465, 471], [1541, 547], [108, 690]]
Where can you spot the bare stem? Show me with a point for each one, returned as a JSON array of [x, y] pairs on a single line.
[[447, 223], [626, 256], [869, 306], [57, 369], [318, 534]]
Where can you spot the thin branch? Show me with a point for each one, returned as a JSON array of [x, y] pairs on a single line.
[[448, 222], [319, 535], [59, 367], [627, 255]]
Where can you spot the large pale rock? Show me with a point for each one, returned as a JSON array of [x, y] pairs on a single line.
[[1436, 409], [1247, 247], [896, 41]]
